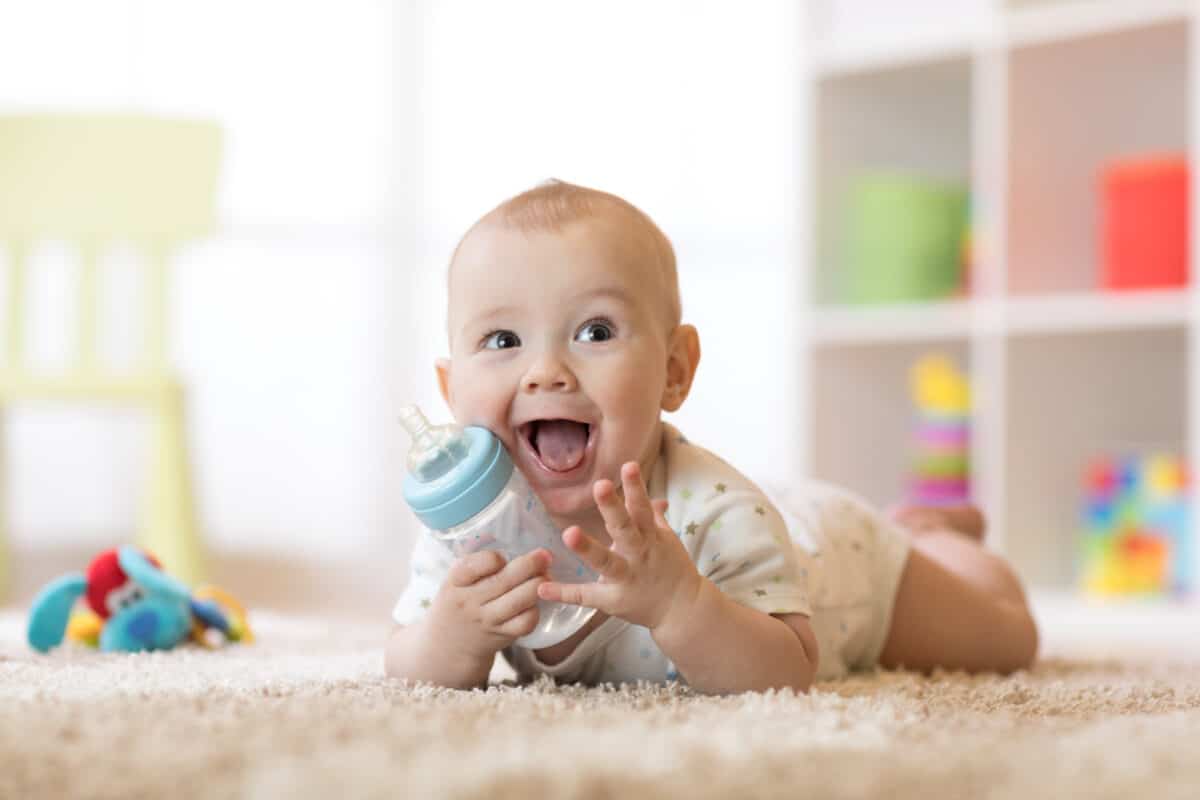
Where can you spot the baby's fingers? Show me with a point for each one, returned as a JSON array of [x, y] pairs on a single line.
[[521, 624], [620, 525], [470, 569], [517, 572], [637, 502], [660, 512], [513, 603], [602, 559], [589, 595]]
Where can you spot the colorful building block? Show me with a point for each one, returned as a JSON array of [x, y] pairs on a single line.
[[1136, 533]]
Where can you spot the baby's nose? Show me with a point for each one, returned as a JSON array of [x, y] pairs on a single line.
[[549, 374]]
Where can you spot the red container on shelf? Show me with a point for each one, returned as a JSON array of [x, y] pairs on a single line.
[[1144, 227]]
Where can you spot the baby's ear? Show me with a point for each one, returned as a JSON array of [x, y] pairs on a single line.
[[683, 356], [442, 367]]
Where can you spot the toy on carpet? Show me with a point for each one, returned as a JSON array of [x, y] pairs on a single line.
[[1136, 533], [129, 605], [941, 466]]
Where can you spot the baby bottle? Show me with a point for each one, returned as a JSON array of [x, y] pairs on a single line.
[[462, 485]]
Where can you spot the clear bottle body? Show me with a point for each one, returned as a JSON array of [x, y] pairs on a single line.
[[516, 523]]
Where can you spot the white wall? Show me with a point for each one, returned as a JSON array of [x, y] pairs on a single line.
[[686, 109]]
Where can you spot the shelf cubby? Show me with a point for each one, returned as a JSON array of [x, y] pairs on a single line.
[[1070, 399], [862, 392], [1028, 100], [1074, 107], [909, 121]]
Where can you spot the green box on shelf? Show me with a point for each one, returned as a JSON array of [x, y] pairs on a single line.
[[904, 239]]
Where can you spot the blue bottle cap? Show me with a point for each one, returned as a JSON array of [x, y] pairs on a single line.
[[480, 471]]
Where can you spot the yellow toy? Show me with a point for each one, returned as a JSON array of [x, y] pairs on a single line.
[[941, 467]]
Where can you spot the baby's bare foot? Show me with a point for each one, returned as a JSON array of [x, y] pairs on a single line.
[[964, 519]]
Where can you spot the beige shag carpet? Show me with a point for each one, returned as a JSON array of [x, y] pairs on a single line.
[[305, 712]]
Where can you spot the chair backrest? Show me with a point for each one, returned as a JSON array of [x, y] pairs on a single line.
[[96, 180], [108, 176]]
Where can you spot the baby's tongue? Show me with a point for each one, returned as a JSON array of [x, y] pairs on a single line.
[[560, 443]]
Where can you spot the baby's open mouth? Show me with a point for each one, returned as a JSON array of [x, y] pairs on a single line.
[[559, 444]]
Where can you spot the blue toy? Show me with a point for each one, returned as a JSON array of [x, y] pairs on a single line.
[[131, 605]]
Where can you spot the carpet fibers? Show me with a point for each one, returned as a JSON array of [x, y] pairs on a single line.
[[305, 712]]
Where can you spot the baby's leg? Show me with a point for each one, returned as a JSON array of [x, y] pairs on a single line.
[[958, 607], [965, 519]]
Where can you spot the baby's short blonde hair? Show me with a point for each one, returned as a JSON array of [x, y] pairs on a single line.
[[553, 205]]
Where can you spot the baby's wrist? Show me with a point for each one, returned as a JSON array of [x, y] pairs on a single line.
[[464, 655], [685, 607], [418, 653]]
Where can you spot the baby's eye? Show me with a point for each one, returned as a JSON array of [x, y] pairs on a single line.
[[595, 331], [501, 340]]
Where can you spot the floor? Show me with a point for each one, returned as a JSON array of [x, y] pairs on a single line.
[[1144, 629], [1112, 709], [305, 712]]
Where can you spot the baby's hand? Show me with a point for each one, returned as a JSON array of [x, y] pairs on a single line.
[[485, 604], [646, 575]]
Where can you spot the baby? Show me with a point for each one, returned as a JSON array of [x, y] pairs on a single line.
[[566, 341]]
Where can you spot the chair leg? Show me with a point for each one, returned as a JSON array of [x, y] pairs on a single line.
[[169, 521]]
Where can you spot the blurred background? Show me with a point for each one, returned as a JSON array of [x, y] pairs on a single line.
[[359, 139], [936, 251]]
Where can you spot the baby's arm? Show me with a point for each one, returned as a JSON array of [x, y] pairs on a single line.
[[413, 653], [648, 578], [720, 645], [484, 606]]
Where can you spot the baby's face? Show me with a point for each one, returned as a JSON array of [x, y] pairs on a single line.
[[559, 346]]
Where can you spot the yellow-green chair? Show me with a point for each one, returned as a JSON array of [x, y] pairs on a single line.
[[96, 181]]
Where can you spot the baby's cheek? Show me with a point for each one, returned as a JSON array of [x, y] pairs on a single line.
[[640, 379], [479, 400], [632, 417], [633, 398]]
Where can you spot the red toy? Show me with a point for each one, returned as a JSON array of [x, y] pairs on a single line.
[[108, 587], [1144, 229]]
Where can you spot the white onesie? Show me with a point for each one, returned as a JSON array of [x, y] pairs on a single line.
[[827, 555]]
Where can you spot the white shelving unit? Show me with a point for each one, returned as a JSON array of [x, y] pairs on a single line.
[[1024, 100]]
